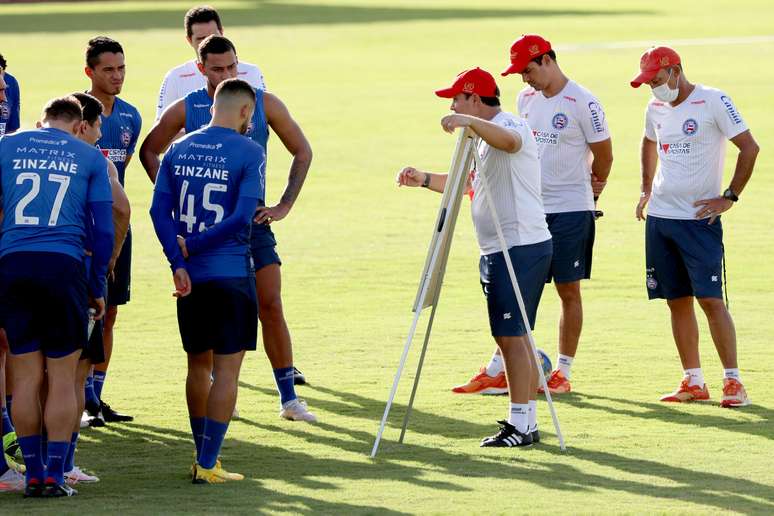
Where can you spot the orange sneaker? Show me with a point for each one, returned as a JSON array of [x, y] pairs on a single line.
[[482, 383], [687, 393], [557, 383], [734, 394]]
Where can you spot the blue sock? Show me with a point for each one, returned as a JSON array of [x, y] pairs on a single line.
[[284, 378], [33, 458], [3, 463], [8, 402], [91, 396], [57, 454], [212, 440], [99, 382], [197, 429], [7, 426], [44, 447], [69, 463]]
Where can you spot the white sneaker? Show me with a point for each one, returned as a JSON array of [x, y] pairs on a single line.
[[12, 482], [76, 475], [295, 410], [85, 419]]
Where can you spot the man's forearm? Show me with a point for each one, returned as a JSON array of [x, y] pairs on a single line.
[[150, 162], [648, 161], [296, 177], [744, 168]]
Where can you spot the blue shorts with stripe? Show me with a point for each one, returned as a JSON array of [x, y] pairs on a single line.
[[573, 235], [263, 246]]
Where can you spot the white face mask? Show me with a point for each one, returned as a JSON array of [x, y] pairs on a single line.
[[664, 93]]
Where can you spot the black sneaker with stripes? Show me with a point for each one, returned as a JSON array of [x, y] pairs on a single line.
[[508, 437]]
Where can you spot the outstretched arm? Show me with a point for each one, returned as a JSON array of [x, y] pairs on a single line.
[[160, 136]]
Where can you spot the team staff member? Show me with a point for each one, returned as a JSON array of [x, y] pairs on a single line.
[[217, 173], [121, 124], [218, 61], [10, 106], [509, 160], [200, 22], [686, 128], [51, 184], [576, 155]]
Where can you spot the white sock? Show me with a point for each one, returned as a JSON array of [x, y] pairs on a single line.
[[696, 376], [532, 415], [519, 416], [564, 363], [732, 373], [495, 365]]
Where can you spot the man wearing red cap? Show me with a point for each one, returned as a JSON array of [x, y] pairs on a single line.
[[686, 126], [576, 155], [509, 162]]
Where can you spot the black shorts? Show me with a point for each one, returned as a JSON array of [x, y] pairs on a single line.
[[573, 235], [263, 246], [43, 303], [94, 350], [118, 287], [219, 315]]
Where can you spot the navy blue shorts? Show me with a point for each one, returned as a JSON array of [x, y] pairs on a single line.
[[573, 235], [531, 263], [43, 303], [219, 315], [683, 258], [94, 349], [118, 287], [263, 246]]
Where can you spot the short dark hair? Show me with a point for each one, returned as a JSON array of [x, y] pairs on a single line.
[[235, 87], [489, 101], [539, 59], [201, 14], [66, 108], [214, 44], [91, 106], [100, 45], [3, 62]]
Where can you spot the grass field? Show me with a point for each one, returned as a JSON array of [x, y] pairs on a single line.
[[359, 77]]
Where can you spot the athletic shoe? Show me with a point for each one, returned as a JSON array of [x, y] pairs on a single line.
[[33, 489], [94, 415], [295, 410], [12, 482], [734, 394], [14, 464], [557, 383], [53, 490], [298, 377], [507, 437], [535, 435], [76, 475], [111, 416], [11, 445], [687, 392], [482, 383], [215, 475]]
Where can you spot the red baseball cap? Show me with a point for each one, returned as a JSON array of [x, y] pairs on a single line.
[[652, 61], [475, 80], [524, 50]]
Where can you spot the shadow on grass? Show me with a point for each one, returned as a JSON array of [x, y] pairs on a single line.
[[256, 13]]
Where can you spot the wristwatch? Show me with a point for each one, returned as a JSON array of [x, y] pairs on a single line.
[[426, 182], [730, 195]]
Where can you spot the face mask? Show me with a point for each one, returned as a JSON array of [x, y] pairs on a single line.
[[664, 93]]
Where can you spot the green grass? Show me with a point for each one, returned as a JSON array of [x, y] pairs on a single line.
[[359, 78]]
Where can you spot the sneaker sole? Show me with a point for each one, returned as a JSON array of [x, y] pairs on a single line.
[[488, 391], [725, 404]]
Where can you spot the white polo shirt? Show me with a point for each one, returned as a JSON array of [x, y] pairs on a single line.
[[691, 139], [514, 184], [183, 79], [564, 125]]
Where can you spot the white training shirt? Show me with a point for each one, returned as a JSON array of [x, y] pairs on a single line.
[[564, 125], [183, 79], [691, 139], [514, 183]]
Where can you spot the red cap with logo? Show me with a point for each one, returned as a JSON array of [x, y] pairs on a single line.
[[652, 61], [524, 50], [476, 81]]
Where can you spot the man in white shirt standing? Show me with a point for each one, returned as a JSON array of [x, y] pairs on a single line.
[[509, 160], [686, 128], [200, 22], [576, 155]]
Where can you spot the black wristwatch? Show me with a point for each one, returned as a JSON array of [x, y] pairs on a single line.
[[426, 182], [730, 195]]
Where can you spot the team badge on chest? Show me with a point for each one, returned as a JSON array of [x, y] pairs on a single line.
[[126, 136], [560, 121], [690, 127]]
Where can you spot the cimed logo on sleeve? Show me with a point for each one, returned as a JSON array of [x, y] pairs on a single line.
[[690, 127], [731, 110], [597, 117], [560, 121]]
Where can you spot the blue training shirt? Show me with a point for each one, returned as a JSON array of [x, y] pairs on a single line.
[[9, 108], [198, 115], [48, 177], [120, 132], [206, 174]]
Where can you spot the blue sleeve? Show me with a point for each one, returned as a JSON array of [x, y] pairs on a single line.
[[136, 135], [13, 122], [250, 185], [217, 234], [99, 181], [163, 177], [161, 211], [102, 231]]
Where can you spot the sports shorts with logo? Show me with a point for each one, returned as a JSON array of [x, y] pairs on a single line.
[[683, 258], [263, 246], [531, 264], [94, 347], [219, 315], [573, 235], [43, 303], [119, 284]]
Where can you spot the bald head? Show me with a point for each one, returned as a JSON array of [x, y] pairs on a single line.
[[234, 104]]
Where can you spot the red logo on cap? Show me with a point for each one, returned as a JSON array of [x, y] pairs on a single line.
[[468, 87], [534, 50], [664, 61]]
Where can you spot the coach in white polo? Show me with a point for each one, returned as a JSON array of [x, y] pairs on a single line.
[[686, 128], [200, 22]]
